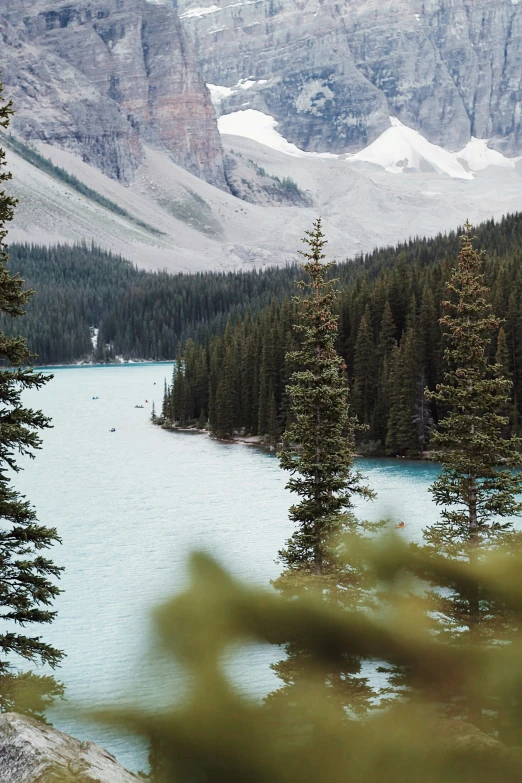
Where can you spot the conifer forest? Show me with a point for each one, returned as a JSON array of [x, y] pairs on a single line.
[[389, 336]]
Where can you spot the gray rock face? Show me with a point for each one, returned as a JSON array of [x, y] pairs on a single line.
[[100, 77], [337, 69], [31, 752]]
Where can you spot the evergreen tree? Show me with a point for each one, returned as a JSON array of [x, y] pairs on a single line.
[[364, 371], [27, 578], [428, 338], [405, 393], [267, 378], [273, 424], [386, 345], [502, 361], [248, 365], [226, 411], [387, 334], [476, 485], [178, 392], [320, 453]]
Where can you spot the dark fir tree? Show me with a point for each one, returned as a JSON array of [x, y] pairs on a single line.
[[320, 451], [27, 577], [386, 345], [319, 455], [364, 371], [226, 405], [405, 392], [502, 361], [476, 486]]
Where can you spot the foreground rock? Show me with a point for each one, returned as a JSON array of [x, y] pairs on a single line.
[[31, 752]]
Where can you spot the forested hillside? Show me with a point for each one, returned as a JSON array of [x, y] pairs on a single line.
[[145, 315], [389, 337], [140, 315]]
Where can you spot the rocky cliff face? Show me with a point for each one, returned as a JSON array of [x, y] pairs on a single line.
[[100, 77], [31, 752], [333, 71]]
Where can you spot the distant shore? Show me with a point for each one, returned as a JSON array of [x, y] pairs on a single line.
[[259, 442], [123, 363]]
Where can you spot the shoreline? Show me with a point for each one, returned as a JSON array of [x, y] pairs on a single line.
[[258, 442], [80, 365]]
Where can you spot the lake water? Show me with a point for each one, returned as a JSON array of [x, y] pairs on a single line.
[[131, 504]]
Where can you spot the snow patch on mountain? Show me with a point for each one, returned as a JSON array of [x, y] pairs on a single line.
[[192, 13], [255, 125], [219, 93], [398, 150], [197, 12], [401, 150], [478, 156]]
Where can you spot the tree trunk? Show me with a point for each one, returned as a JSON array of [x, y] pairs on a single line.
[[318, 554], [474, 710]]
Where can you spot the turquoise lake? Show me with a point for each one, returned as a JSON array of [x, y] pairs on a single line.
[[130, 506]]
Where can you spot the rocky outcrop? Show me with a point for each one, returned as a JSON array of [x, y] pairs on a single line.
[[31, 752], [101, 77], [333, 71], [253, 183]]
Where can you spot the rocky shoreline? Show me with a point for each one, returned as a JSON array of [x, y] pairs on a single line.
[[34, 752]]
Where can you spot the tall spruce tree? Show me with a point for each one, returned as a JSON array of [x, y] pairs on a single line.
[[386, 345], [403, 435], [227, 411], [320, 451], [364, 370], [27, 578], [319, 455], [476, 486]]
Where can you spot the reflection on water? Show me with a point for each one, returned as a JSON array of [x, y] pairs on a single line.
[[130, 505]]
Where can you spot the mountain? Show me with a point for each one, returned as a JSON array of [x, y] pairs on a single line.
[[170, 219], [116, 139], [332, 72], [102, 78]]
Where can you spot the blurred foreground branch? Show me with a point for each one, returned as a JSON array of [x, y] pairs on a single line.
[[217, 735]]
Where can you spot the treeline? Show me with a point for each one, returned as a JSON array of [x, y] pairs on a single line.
[[389, 337], [145, 315], [140, 315]]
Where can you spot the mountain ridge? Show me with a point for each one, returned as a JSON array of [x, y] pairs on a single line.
[[333, 71], [104, 77]]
